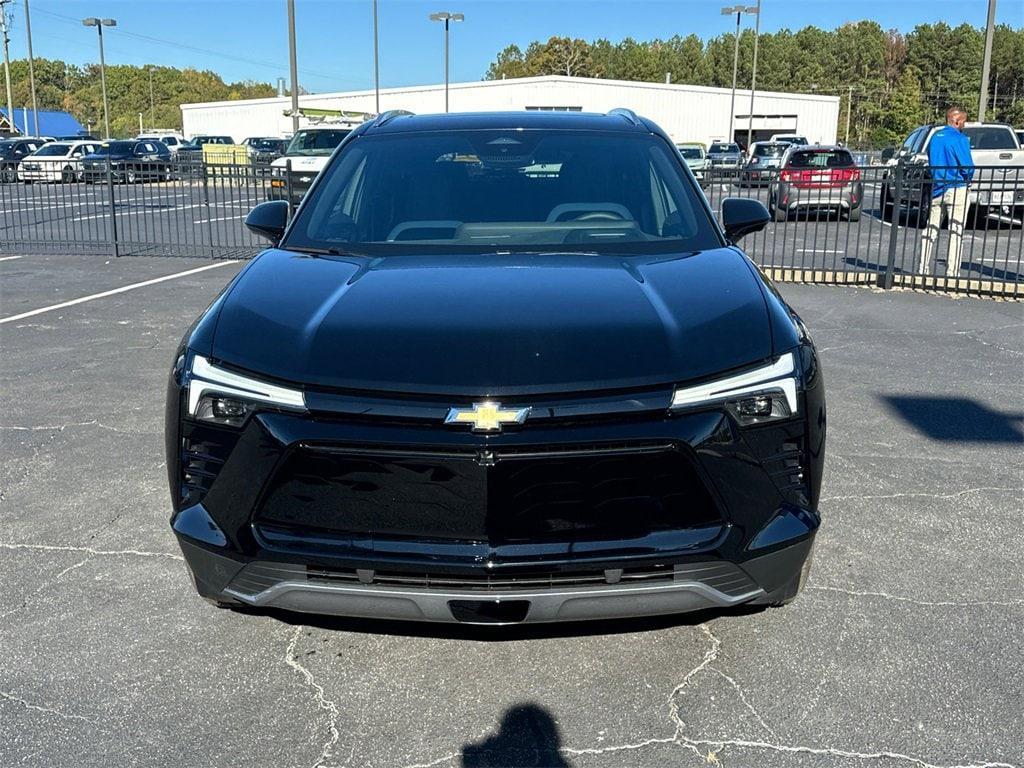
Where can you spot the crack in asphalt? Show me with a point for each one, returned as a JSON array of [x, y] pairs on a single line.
[[915, 601], [45, 585], [48, 710], [62, 427], [319, 696], [89, 550], [921, 494]]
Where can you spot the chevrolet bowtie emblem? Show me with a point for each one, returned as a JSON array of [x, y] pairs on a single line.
[[486, 417]]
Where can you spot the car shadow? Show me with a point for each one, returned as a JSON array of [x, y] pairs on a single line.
[[957, 419], [495, 633], [527, 736]]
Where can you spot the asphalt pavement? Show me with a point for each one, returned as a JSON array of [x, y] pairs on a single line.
[[905, 649]]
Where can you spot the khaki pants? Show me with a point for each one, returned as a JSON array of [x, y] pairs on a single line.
[[952, 202]]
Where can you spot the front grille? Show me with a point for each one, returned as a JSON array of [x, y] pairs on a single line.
[[504, 496], [723, 576]]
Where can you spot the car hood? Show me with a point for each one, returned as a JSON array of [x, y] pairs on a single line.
[[493, 325]]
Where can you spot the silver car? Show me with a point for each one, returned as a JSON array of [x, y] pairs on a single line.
[[725, 156], [818, 177], [696, 156]]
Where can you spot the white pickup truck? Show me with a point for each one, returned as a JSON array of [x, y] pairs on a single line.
[[998, 185], [306, 154]]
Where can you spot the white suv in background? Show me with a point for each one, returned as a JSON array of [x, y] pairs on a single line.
[[172, 140], [56, 161], [307, 153]]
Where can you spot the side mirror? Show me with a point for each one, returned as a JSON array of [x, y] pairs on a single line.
[[887, 153], [741, 216], [269, 219]]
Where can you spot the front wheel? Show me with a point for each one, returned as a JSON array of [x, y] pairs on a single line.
[[67, 176], [854, 214], [8, 175], [130, 177], [779, 214]]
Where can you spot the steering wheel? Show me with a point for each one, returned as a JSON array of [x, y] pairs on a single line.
[[600, 216]]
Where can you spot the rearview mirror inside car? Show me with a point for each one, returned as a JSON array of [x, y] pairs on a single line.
[[268, 219], [741, 216]]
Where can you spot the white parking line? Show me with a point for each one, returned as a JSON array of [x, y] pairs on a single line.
[[819, 250], [9, 258], [221, 218], [122, 289]]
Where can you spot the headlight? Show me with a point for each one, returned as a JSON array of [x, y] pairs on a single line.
[[221, 397], [765, 394]]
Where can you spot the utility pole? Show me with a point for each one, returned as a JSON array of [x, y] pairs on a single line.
[[152, 103], [7, 62], [753, 75], [32, 71], [849, 109], [989, 32], [293, 64], [376, 61]]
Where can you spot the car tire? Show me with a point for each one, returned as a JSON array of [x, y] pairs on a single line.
[[130, 177], [779, 214], [8, 175], [854, 214], [67, 176]]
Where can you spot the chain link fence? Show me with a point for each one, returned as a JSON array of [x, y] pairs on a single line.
[[883, 225]]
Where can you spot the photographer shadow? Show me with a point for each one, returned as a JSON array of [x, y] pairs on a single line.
[[527, 738]]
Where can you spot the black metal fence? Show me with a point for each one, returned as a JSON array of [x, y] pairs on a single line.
[[879, 225]]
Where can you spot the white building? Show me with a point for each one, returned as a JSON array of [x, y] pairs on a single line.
[[685, 112]]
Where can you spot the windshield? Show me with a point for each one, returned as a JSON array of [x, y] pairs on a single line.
[[792, 139], [990, 137], [53, 150], [492, 191], [725, 148], [316, 142], [116, 148], [770, 150], [268, 144], [692, 153]]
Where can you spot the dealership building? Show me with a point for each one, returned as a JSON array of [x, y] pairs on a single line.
[[685, 112]]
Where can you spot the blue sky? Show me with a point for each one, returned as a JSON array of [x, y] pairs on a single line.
[[247, 39]]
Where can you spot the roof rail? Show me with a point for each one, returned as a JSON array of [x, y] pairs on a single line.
[[388, 115], [628, 114]]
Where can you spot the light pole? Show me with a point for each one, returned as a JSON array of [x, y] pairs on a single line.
[[7, 63], [849, 110], [100, 24], [989, 31], [739, 10], [753, 74], [31, 72], [293, 64], [447, 18], [376, 61]]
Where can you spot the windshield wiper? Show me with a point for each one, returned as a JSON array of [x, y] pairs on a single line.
[[321, 251]]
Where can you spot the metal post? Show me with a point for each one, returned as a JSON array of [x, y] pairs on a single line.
[[293, 65], [735, 65], [152, 103], [7, 62], [890, 262], [753, 76], [376, 61], [446, 22], [141, 129], [987, 63], [113, 210], [31, 71]]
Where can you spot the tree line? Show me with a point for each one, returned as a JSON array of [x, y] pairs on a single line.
[[75, 89], [899, 81]]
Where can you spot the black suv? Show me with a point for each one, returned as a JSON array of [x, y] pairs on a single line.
[[12, 152], [130, 162], [499, 368]]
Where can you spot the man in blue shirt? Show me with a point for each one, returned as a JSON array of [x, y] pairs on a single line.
[[952, 168]]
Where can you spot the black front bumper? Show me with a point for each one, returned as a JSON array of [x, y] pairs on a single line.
[[559, 520]]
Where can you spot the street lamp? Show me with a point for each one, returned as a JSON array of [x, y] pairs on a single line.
[[447, 18], [739, 10], [753, 74], [100, 24]]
